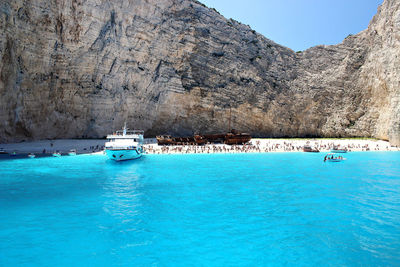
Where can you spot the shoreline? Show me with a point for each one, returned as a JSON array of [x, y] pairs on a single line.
[[45, 148]]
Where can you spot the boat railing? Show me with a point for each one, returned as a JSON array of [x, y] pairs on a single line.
[[122, 147], [129, 132]]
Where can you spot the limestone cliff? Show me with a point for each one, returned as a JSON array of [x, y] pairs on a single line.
[[80, 68]]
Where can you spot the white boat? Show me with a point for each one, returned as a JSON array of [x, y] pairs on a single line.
[[124, 145], [339, 150], [57, 154], [31, 155], [72, 152]]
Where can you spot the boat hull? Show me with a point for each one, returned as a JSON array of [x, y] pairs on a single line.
[[338, 151], [123, 154], [311, 150], [237, 139], [334, 160]]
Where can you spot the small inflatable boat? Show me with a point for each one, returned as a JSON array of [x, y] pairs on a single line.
[[332, 157]]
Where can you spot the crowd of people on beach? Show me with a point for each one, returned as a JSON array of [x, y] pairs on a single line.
[[257, 146], [251, 147], [193, 149]]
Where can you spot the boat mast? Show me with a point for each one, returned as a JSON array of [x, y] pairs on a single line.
[[230, 115], [124, 133]]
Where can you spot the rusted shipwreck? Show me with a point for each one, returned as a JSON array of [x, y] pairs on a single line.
[[167, 140], [231, 138]]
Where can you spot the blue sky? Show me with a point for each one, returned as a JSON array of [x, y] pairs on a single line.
[[300, 24]]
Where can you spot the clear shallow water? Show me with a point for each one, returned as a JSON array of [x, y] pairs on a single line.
[[201, 210]]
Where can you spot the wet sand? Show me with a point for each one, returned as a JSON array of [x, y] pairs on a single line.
[[51, 146]]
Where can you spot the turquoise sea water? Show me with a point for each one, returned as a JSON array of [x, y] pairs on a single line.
[[269, 209]]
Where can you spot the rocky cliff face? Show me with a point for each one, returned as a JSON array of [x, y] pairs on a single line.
[[80, 68]]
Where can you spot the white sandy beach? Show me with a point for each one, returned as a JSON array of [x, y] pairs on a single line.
[[151, 147], [262, 145]]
